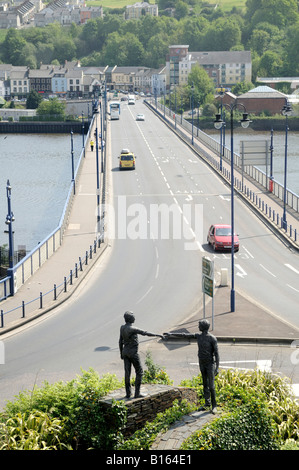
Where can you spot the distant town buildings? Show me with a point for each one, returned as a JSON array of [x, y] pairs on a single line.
[[35, 13], [140, 9], [225, 68]]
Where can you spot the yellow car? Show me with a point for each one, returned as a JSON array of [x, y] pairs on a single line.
[[126, 160]]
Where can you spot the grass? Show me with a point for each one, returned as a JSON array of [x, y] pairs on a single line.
[[226, 5]]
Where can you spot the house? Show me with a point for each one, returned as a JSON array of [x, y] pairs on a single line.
[[263, 99], [158, 82], [41, 80], [127, 78], [19, 81], [140, 9], [225, 68]]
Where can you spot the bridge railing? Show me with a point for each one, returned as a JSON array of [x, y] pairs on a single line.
[[182, 126], [23, 270]]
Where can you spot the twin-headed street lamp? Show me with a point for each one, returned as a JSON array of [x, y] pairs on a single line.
[[9, 220], [218, 123], [286, 111]]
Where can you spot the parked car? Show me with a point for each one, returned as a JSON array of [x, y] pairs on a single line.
[[220, 237], [126, 160]]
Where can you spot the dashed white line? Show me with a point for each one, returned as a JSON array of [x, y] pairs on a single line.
[[267, 270], [292, 268]]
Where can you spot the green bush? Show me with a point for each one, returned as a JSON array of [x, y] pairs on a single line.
[[143, 438], [249, 427], [236, 388], [154, 373], [68, 402], [33, 431]]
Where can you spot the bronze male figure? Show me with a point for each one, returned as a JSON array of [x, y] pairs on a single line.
[[128, 347], [208, 357]]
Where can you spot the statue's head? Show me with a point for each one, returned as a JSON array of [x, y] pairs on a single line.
[[129, 317], [203, 325]]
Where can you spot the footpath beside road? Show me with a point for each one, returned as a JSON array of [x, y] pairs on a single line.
[[250, 322], [78, 242]]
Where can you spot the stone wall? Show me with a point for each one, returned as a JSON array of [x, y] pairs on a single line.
[[157, 399]]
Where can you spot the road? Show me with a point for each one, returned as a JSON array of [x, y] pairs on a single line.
[[153, 266]]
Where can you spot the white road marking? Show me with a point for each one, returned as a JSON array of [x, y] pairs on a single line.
[[242, 273], [143, 297], [267, 270], [292, 268]]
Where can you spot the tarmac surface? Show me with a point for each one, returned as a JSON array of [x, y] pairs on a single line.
[[249, 323]]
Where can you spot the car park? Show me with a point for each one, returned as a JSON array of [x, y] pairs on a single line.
[[220, 237], [126, 160]]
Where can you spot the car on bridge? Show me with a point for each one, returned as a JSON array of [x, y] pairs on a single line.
[[140, 117], [126, 160], [220, 237]]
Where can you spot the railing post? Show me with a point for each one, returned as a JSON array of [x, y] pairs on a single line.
[[23, 309], [40, 300], [2, 319], [55, 293]]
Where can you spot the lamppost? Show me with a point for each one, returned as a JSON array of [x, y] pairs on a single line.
[[286, 111], [221, 93], [218, 123], [9, 220], [82, 129], [192, 106], [72, 157]]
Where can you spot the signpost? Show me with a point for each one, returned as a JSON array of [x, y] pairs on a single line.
[[255, 152], [208, 283]]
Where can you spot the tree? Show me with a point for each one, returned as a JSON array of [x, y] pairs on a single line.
[[181, 9], [200, 85], [276, 12], [13, 46], [34, 99], [53, 107], [270, 64]]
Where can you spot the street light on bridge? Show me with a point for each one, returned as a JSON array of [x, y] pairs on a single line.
[[218, 123], [286, 111], [9, 220]]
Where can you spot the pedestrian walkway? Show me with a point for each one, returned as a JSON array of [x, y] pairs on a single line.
[[181, 430], [250, 322], [78, 243], [263, 202]]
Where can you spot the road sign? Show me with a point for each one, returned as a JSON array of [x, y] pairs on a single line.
[[208, 286], [207, 267], [254, 152]]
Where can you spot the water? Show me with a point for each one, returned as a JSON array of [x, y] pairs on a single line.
[[278, 152], [39, 169]]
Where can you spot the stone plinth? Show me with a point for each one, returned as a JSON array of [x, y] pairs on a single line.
[[157, 398]]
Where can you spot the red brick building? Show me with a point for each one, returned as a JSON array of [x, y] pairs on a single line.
[[263, 99]]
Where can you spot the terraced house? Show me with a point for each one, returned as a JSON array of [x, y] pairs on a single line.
[[225, 68]]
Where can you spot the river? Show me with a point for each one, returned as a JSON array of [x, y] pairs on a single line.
[[278, 152], [39, 169]]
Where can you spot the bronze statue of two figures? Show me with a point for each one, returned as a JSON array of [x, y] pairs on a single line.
[[208, 356]]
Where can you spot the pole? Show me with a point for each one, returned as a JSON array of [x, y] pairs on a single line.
[[9, 220], [284, 218], [192, 113], [232, 294], [72, 157]]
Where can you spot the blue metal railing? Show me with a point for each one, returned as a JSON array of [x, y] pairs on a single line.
[[35, 259]]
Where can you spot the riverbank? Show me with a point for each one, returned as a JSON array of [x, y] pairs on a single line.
[[264, 124], [25, 127]]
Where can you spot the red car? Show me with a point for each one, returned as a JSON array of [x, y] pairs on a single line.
[[220, 237]]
